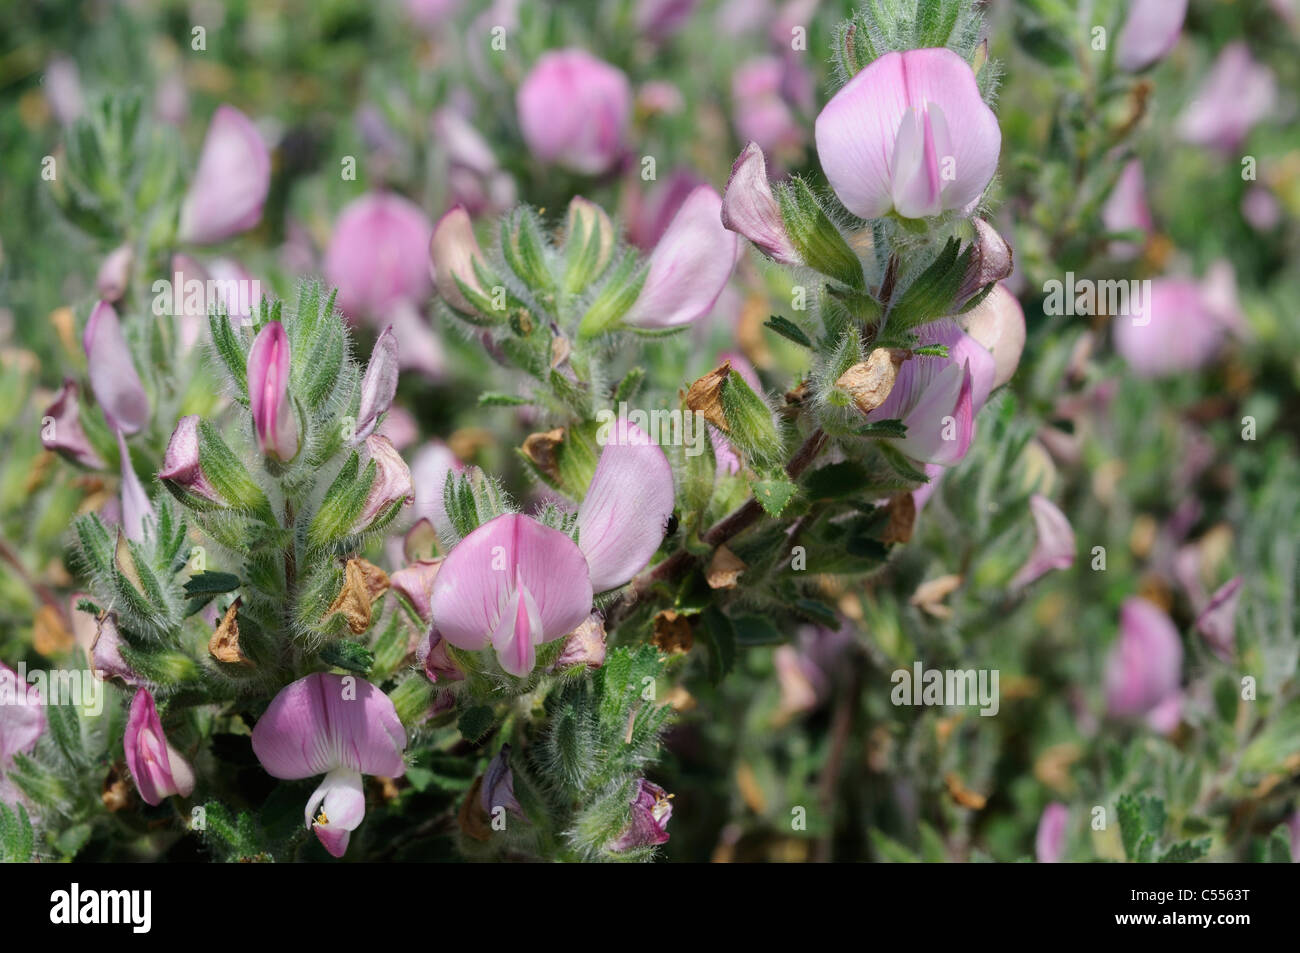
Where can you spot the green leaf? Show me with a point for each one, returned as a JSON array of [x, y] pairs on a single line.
[[475, 722], [756, 630], [348, 655], [1185, 852], [815, 236], [720, 637], [835, 480], [1141, 821], [884, 430], [774, 495], [211, 583], [491, 398], [789, 330]]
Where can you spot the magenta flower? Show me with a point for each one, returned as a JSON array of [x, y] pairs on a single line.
[[181, 467], [274, 419], [157, 768], [379, 385], [909, 134], [437, 661], [1126, 209], [231, 183], [749, 208], [1184, 325], [1217, 621], [22, 722], [1055, 546], [689, 267], [515, 584], [652, 808], [584, 646], [1145, 665], [574, 111], [1237, 93], [338, 726], [377, 254], [1149, 32], [113, 377], [64, 433], [137, 511], [1049, 843], [937, 398]]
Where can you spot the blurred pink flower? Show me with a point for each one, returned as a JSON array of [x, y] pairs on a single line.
[[1126, 209], [231, 183], [1149, 32], [1184, 325], [574, 111], [378, 254], [1145, 666], [1055, 547], [1049, 842], [1237, 93]]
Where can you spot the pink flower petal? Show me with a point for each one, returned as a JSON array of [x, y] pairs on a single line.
[[1055, 547], [1145, 665], [113, 377], [322, 722], [231, 183], [1149, 32], [1217, 622], [622, 518], [377, 255]]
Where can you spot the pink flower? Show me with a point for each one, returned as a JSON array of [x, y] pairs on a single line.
[[377, 254], [114, 273], [689, 267], [998, 324], [181, 466], [1126, 209], [113, 377], [474, 177], [64, 433], [379, 385], [22, 722], [453, 253], [63, 90], [910, 134], [274, 419], [514, 583], [750, 209], [760, 112], [231, 183], [1184, 325], [157, 768], [338, 726], [937, 398], [1049, 843], [585, 646], [648, 214], [137, 512], [392, 481], [429, 471], [1217, 621], [415, 584], [652, 809], [1149, 32], [1237, 93], [1145, 665], [1055, 546], [574, 111]]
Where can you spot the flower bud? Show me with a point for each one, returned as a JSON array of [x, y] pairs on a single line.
[[157, 768], [998, 323], [588, 244], [379, 384], [652, 808], [750, 209], [181, 469], [453, 253], [585, 645], [433, 653], [392, 481], [231, 183], [991, 260], [274, 420], [113, 377], [64, 434], [106, 652], [498, 787]]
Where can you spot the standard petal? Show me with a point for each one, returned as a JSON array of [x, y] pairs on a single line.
[[622, 518], [858, 135], [322, 722], [750, 209], [689, 267], [137, 511], [476, 586], [231, 183], [379, 385], [377, 254], [113, 377]]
